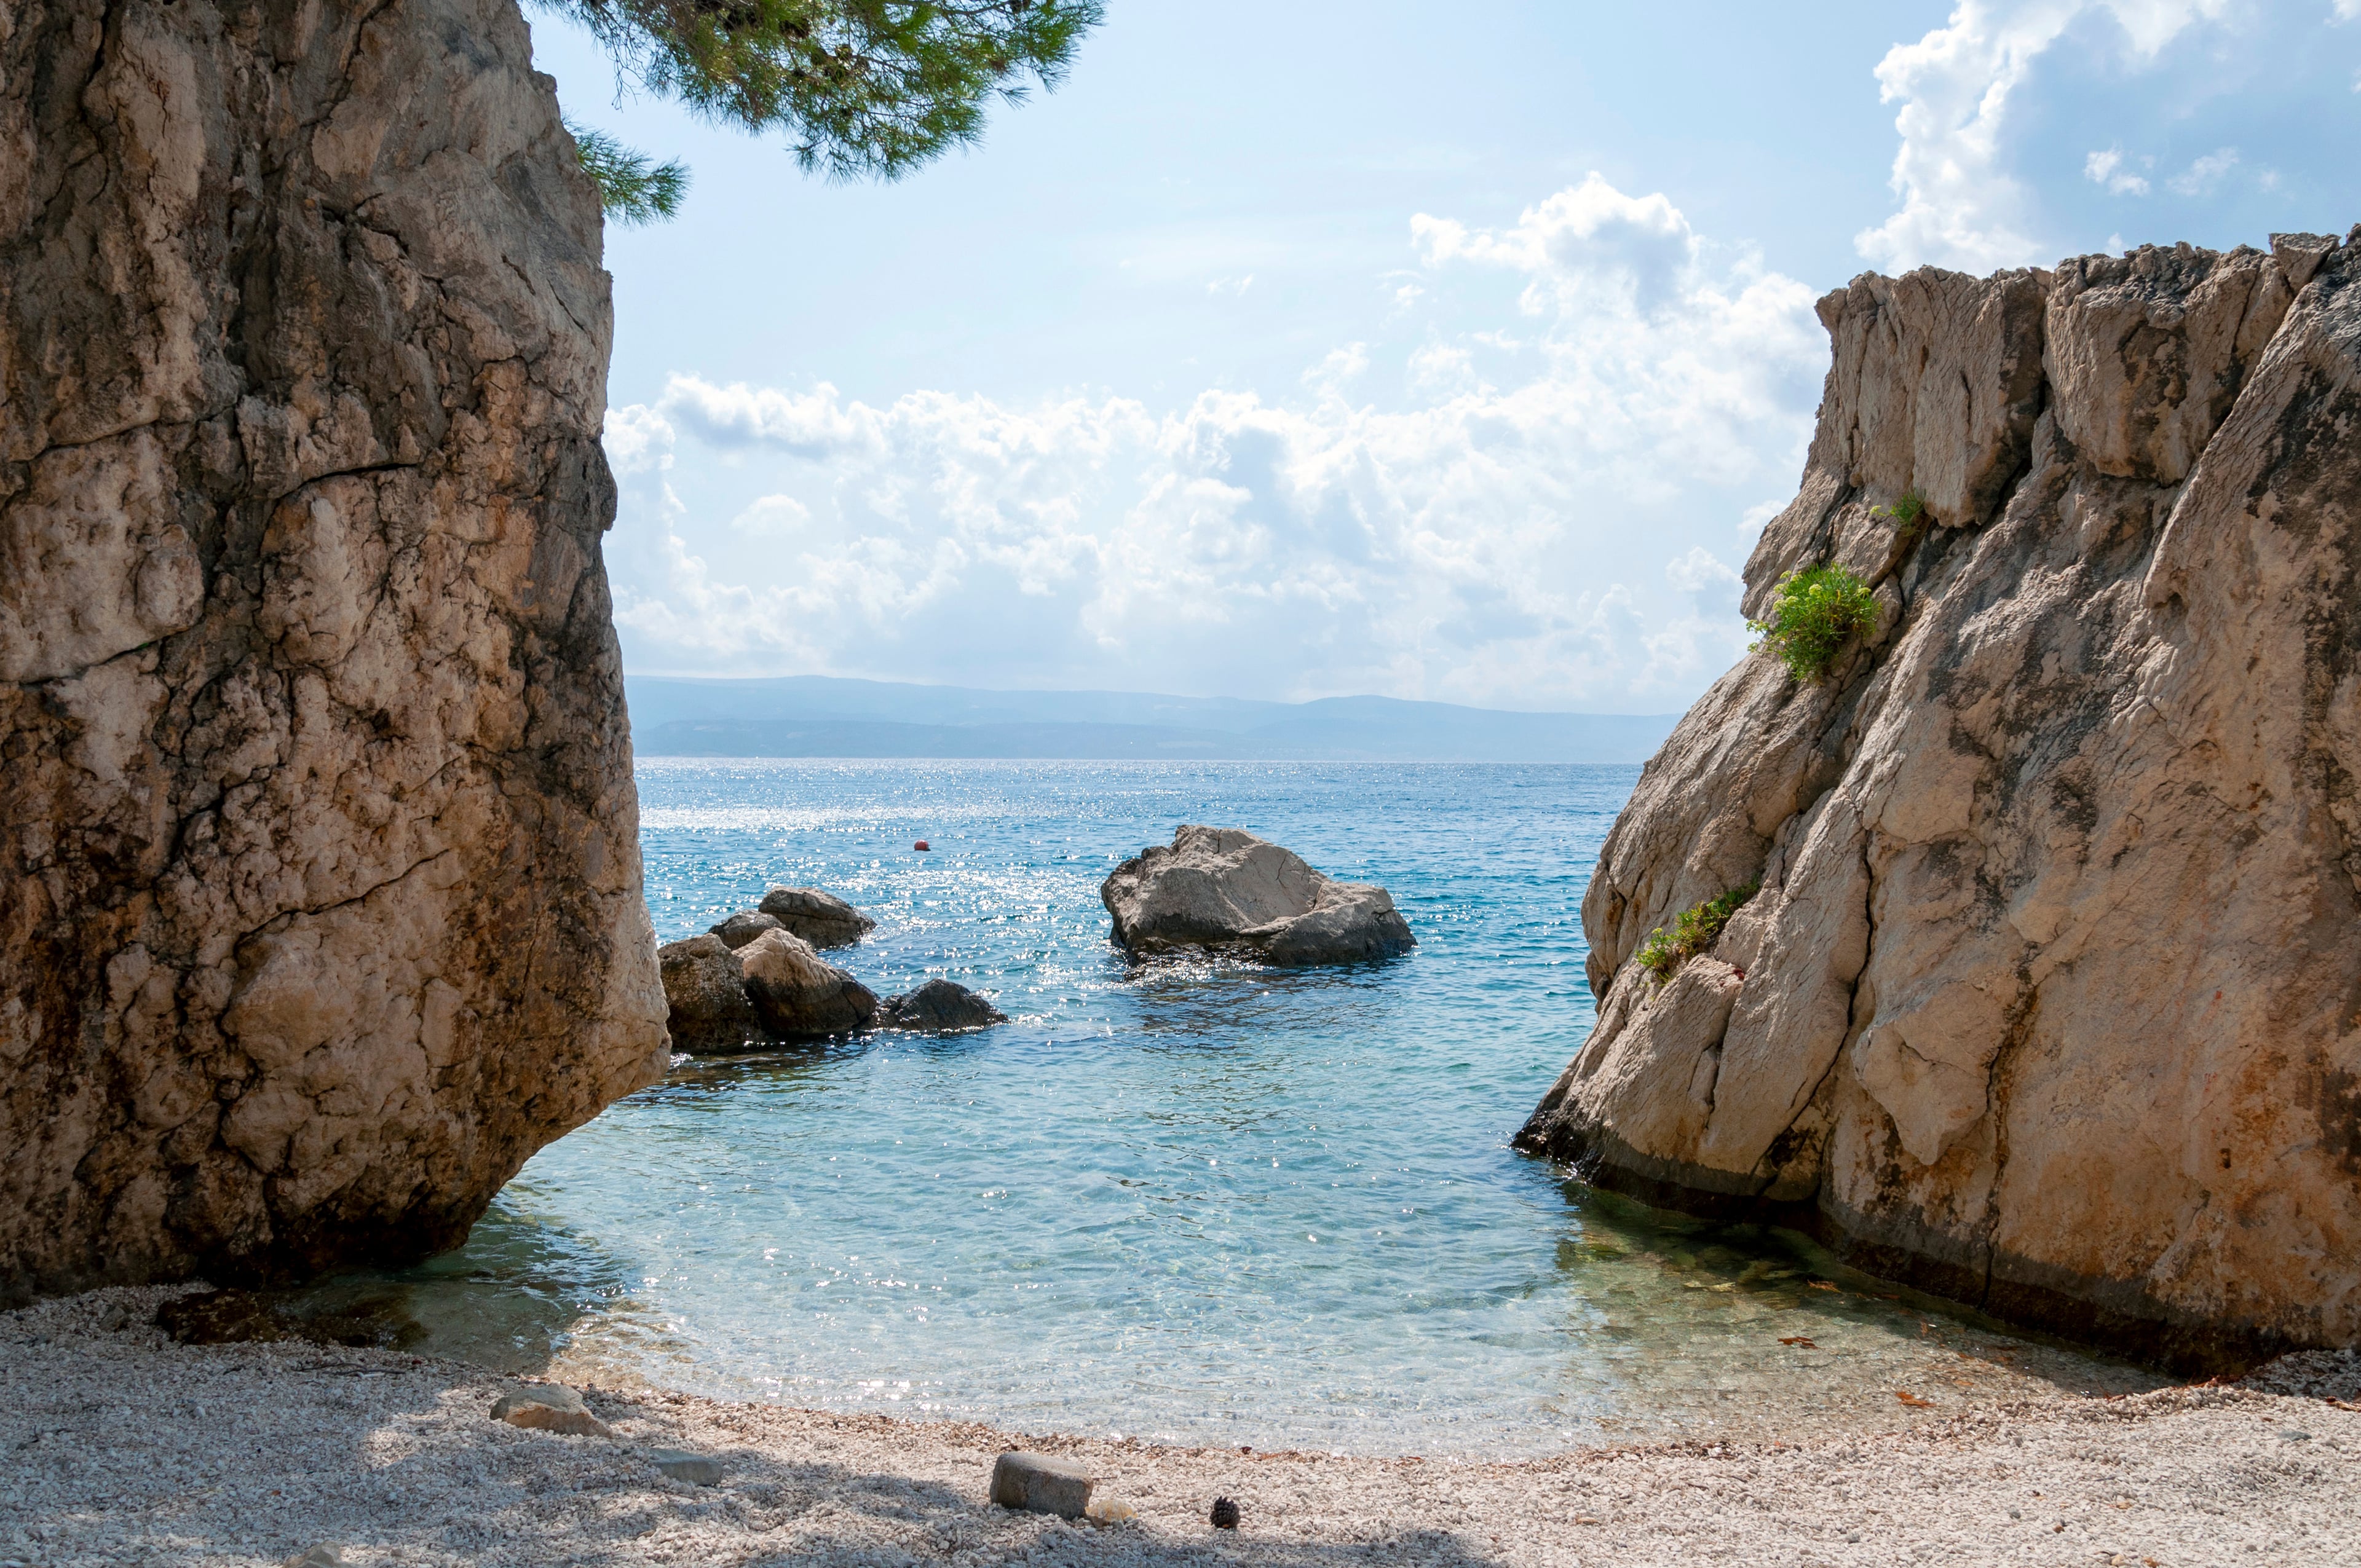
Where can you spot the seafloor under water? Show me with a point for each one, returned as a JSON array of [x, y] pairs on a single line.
[[1194, 1202]]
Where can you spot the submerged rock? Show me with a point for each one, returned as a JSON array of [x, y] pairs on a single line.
[[820, 918], [1222, 890], [797, 994], [320, 897], [705, 986], [2047, 1000], [243, 1317], [744, 926], [938, 1007]]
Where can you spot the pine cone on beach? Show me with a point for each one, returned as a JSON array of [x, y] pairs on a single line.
[[1225, 1514]]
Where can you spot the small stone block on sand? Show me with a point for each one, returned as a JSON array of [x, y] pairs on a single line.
[[698, 1469], [1038, 1484], [549, 1406]]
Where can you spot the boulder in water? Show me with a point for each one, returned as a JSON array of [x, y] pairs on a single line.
[[797, 994], [745, 925], [706, 986], [938, 1007], [820, 918], [1224, 890]]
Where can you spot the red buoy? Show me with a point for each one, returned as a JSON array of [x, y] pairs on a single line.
[[921, 844]]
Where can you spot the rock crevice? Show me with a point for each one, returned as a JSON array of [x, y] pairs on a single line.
[[2052, 968]]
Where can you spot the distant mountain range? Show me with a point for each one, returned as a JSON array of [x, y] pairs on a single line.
[[819, 716]]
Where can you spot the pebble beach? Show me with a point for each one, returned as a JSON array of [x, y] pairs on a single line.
[[126, 1448]]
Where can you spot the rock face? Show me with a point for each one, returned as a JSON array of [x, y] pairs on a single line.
[[820, 918], [1221, 890], [938, 1007], [2051, 997], [705, 990], [797, 994], [320, 904]]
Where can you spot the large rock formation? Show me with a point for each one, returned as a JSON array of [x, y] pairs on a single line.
[[319, 884], [1222, 890], [2051, 997]]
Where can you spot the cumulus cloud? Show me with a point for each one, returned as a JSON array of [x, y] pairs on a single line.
[[1583, 238], [1961, 205], [2107, 169], [1498, 534]]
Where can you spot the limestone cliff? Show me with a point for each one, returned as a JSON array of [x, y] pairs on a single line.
[[2051, 997], [319, 883]]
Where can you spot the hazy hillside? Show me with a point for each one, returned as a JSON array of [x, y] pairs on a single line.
[[815, 715]]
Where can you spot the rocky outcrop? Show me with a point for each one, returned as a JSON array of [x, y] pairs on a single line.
[[708, 1011], [820, 918], [743, 927], [938, 1007], [2051, 1000], [800, 995], [1221, 890], [320, 903]]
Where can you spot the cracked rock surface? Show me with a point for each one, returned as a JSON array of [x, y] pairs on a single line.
[[320, 904], [2051, 997]]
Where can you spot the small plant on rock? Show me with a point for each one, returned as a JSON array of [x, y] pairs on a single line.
[[1905, 513], [1693, 932], [1910, 519], [1814, 613]]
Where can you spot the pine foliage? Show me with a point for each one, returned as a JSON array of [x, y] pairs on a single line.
[[633, 187], [861, 87]]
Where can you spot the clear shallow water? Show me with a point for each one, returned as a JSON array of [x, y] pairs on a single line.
[[1201, 1202]]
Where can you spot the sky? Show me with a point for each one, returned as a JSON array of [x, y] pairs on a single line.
[[1318, 349]]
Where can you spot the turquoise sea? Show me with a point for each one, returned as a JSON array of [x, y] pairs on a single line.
[[1186, 1201]]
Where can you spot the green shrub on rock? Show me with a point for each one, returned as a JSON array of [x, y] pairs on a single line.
[[1814, 613], [1905, 513], [1693, 932]]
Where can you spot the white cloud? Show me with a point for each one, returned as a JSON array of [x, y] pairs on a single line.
[[1701, 572], [1234, 287], [1478, 543], [637, 438], [2107, 169], [1961, 207], [1582, 238], [2203, 177], [1442, 368], [779, 516], [1340, 366]]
